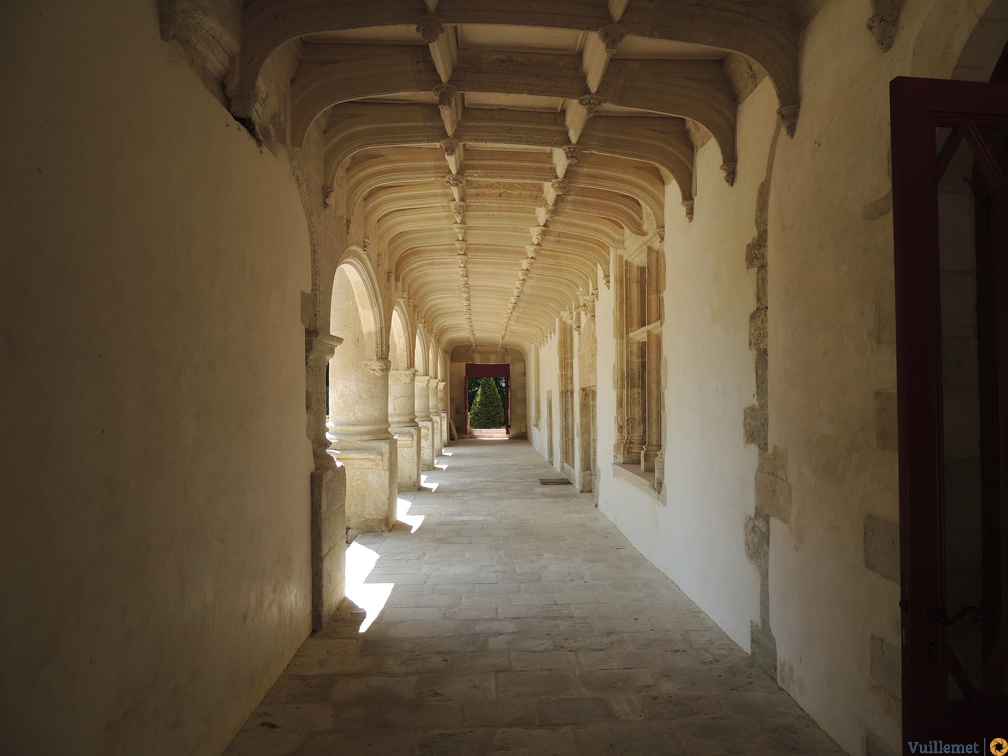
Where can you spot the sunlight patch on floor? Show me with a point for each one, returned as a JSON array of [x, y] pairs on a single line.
[[414, 521], [371, 597]]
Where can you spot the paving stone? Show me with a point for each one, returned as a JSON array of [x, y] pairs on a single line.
[[616, 680], [265, 742], [458, 686], [522, 623], [499, 712], [525, 660], [535, 683], [368, 741], [720, 735], [562, 711], [652, 738], [535, 742]]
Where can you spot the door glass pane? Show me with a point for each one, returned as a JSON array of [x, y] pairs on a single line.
[[942, 134], [967, 340]]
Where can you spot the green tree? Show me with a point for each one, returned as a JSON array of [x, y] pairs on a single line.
[[487, 408]]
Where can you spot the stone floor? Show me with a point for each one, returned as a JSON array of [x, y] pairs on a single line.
[[519, 620]]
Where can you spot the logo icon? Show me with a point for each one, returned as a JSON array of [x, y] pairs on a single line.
[[999, 747]]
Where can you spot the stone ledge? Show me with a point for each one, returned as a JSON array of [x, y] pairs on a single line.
[[636, 477]]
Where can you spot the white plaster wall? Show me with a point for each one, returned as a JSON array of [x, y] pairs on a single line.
[[694, 531], [154, 554], [831, 291], [549, 380]]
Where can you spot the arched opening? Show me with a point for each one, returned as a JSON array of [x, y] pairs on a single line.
[[422, 404], [358, 402], [402, 403]]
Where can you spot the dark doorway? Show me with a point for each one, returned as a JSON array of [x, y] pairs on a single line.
[[950, 144]]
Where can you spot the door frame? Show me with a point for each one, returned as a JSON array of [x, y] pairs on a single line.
[[917, 105]]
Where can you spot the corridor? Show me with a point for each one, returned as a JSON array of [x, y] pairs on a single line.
[[519, 620]]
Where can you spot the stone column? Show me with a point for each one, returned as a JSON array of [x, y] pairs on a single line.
[[443, 407], [653, 391], [403, 424], [328, 489], [435, 413], [423, 419], [361, 441]]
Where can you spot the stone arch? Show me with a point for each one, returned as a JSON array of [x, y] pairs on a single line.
[[433, 367], [402, 399], [983, 57], [363, 282], [424, 411], [358, 396], [401, 338], [420, 350], [934, 57], [442, 394], [433, 398]]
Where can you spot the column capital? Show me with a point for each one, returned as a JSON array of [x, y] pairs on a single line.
[[319, 344], [403, 376], [378, 367]]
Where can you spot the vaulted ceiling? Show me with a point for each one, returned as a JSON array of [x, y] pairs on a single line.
[[499, 149]]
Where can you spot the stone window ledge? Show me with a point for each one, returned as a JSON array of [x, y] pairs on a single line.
[[636, 477]]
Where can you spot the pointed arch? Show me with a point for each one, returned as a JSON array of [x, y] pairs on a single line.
[[363, 280], [402, 331], [420, 350]]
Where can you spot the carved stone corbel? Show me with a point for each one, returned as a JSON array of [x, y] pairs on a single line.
[[882, 25], [449, 146], [789, 118], [590, 103], [611, 36], [572, 152], [688, 207], [729, 170], [445, 94], [430, 27]]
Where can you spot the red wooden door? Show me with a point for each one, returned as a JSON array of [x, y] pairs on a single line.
[[949, 149]]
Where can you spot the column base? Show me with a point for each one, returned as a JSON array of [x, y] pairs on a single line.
[[435, 437], [408, 445], [371, 477], [328, 541], [426, 445]]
